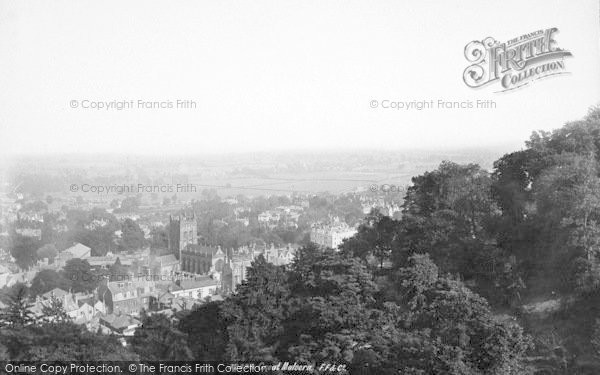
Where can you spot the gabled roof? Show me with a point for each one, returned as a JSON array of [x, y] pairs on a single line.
[[119, 321], [79, 251], [166, 297], [128, 286], [86, 301], [56, 292]]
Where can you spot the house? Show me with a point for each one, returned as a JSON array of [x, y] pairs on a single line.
[[76, 251], [281, 255], [197, 288], [177, 303], [79, 251], [127, 296], [165, 300], [79, 307], [56, 293], [119, 324], [187, 292], [332, 235], [100, 307], [235, 269], [105, 262]]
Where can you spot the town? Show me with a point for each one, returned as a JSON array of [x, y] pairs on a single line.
[[110, 255]]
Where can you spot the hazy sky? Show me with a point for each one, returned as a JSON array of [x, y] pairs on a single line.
[[277, 75]]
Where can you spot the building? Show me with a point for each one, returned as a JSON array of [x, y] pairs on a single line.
[[269, 219], [162, 265], [235, 269], [79, 307], [78, 251], [127, 296], [196, 289], [183, 231], [280, 256], [157, 267], [119, 324], [331, 235], [105, 262], [29, 232], [202, 259]]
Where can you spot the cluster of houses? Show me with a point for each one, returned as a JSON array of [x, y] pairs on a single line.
[[152, 283], [386, 208], [82, 308], [189, 274], [116, 305], [283, 216], [26, 220]]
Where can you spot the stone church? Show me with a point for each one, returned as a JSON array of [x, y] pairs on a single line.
[[229, 266]]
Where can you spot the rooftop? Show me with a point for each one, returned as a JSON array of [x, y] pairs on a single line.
[[79, 250], [119, 321], [56, 292]]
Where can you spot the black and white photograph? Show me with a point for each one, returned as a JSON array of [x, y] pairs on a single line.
[[300, 187]]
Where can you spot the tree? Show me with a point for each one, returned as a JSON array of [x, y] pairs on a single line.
[[157, 340], [160, 238], [567, 198], [330, 311], [375, 238], [93, 228], [80, 273], [54, 311], [443, 327], [47, 251], [18, 312], [61, 341], [206, 331], [448, 213], [256, 312], [23, 249], [46, 280], [132, 237], [130, 204]]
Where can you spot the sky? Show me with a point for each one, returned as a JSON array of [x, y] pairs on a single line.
[[277, 75]]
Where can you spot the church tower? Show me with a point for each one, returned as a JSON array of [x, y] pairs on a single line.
[[183, 231]]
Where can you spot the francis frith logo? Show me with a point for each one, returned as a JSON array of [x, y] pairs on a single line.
[[514, 63]]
